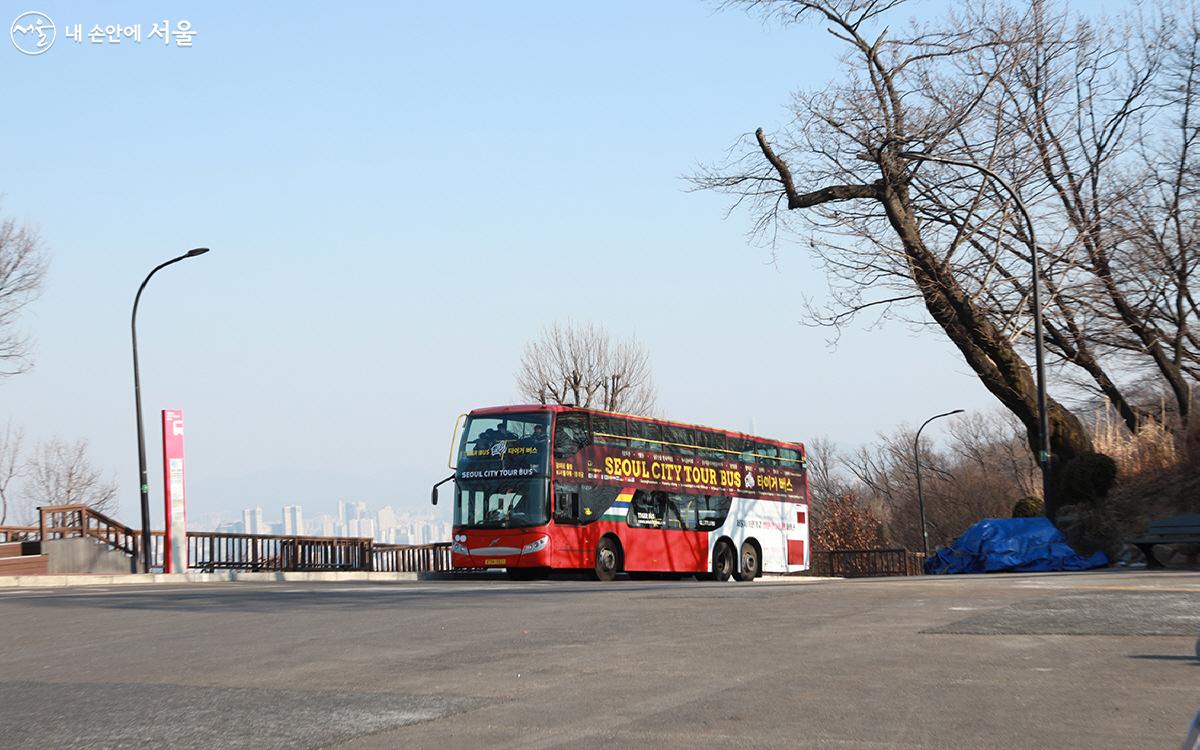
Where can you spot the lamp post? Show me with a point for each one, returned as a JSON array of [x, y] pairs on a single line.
[[1038, 338], [137, 398], [920, 494]]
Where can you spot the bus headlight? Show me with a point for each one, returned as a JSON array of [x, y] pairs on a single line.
[[537, 545], [459, 548]]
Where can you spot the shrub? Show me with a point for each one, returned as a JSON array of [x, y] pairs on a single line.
[[1028, 507], [1086, 479], [842, 522]]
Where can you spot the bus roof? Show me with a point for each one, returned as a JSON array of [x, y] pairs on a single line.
[[524, 408]]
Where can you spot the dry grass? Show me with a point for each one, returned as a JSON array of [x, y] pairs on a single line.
[[1152, 450], [1158, 475]]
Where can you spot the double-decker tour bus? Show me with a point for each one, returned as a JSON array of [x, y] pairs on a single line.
[[556, 487]]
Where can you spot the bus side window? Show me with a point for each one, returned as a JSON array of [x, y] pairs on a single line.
[[745, 449], [570, 434], [645, 435], [712, 511], [681, 511], [790, 456], [566, 503], [681, 437], [714, 446], [594, 500], [646, 509], [768, 455], [609, 430]]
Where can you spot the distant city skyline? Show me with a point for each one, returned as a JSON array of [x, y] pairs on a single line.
[[351, 519]]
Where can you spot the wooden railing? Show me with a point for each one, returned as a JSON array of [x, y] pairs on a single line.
[[66, 521], [857, 563], [213, 550], [19, 534], [412, 558]]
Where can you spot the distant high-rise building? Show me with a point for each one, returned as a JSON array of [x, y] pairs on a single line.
[[386, 518], [293, 520], [252, 521]]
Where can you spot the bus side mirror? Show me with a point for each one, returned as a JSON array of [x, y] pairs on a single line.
[[433, 497]]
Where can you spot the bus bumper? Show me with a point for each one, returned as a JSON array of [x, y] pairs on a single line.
[[527, 551]]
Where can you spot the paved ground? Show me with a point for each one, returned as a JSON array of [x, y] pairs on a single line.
[[1071, 660]]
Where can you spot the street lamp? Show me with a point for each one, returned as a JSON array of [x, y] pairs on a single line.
[[1038, 338], [137, 397], [920, 494]]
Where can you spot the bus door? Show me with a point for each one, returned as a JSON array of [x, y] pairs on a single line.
[[796, 531]]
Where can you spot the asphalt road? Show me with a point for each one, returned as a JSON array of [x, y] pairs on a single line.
[[1071, 660]]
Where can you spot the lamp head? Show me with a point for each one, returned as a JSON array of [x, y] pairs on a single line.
[[196, 251]]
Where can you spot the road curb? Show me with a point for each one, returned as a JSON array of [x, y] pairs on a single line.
[[231, 576]]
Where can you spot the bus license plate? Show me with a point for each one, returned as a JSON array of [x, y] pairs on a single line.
[[494, 561]]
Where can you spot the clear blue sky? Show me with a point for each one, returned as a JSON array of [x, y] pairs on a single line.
[[397, 196]]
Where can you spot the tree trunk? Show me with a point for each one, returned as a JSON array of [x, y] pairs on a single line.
[[993, 358]]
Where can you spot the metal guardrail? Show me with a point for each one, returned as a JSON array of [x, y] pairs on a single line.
[[412, 558], [861, 563], [210, 550]]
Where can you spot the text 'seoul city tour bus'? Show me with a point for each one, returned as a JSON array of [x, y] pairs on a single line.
[[555, 487]]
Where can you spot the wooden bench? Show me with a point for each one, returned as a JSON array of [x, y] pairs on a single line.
[[1176, 530]]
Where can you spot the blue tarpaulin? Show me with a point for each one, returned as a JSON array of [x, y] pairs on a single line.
[[1021, 545]]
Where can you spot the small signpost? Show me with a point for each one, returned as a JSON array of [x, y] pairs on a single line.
[[175, 508]]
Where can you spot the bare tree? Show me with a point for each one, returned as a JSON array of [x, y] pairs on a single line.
[[1093, 120], [22, 270], [823, 460], [581, 364], [1097, 118], [10, 466], [981, 472], [60, 473]]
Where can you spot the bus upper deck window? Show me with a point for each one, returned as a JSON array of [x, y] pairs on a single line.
[[768, 455], [570, 434], [609, 430]]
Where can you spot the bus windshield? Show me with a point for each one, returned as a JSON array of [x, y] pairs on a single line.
[[505, 446], [501, 504]]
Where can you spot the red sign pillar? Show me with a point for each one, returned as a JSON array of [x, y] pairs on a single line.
[[175, 507]]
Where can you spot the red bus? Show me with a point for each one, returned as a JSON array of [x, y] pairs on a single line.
[[548, 487]]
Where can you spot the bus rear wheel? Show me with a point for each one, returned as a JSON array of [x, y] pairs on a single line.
[[722, 562], [751, 566], [608, 560]]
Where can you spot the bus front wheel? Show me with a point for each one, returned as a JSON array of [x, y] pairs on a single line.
[[751, 566], [722, 562], [608, 560]]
